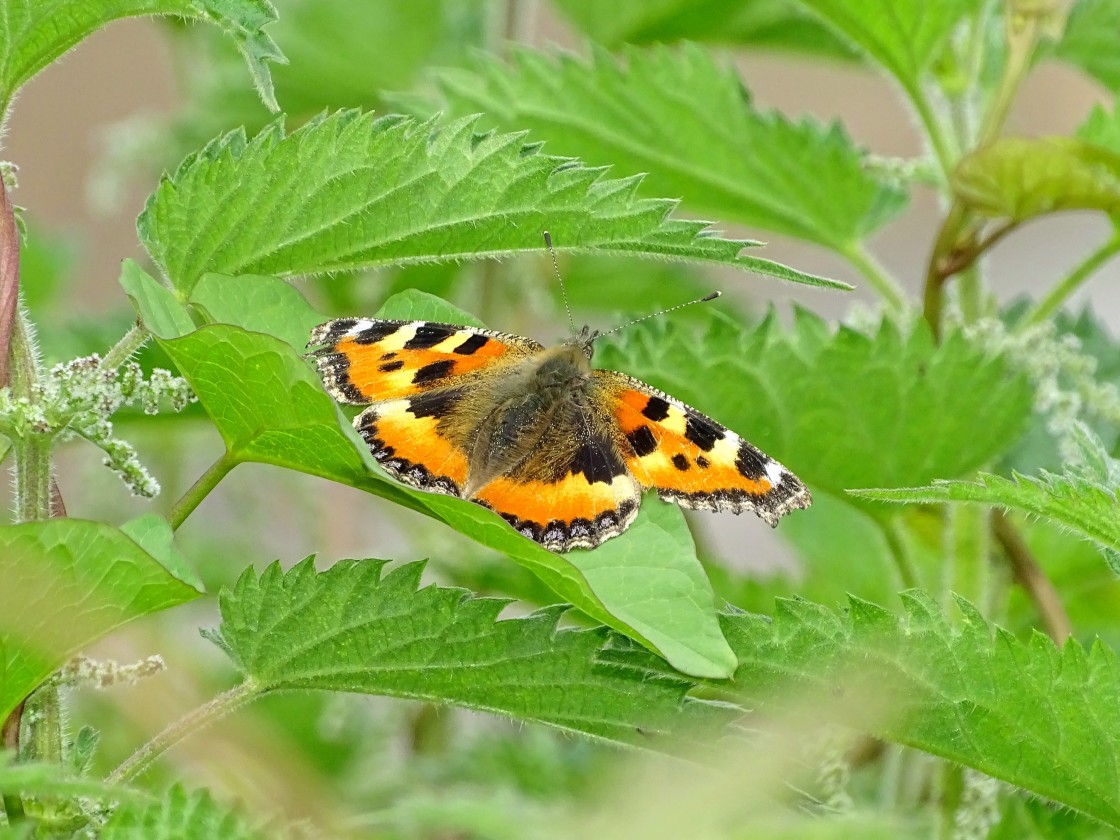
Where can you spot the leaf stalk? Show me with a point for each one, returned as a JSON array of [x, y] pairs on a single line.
[[198, 491], [1076, 278], [203, 716]]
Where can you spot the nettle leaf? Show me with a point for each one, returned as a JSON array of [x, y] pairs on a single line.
[[1102, 128], [353, 628], [1037, 716], [270, 407], [905, 38], [768, 24], [258, 304], [1019, 178], [67, 583], [34, 33], [653, 113], [162, 314], [841, 409], [1089, 42], [179, 814], [348, 191], [1082, 497]]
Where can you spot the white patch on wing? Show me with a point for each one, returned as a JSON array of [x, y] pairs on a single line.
[[774, 472], [397, 340], [360, 327]]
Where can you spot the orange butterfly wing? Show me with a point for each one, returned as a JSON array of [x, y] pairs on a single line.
[[415, 374], [366, 360], [692, 460]]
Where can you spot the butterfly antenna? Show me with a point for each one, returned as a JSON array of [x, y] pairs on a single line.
[[563, 289], [658, 314]]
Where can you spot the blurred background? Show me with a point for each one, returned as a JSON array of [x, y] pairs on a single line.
[[90, 136]]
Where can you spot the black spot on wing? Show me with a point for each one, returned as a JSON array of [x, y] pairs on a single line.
[[434, 403], [702, 431], [434, 371], [681, 462], [750, 462], [702, 462], [472, 345], [642, 441], [597, 460], [429, 335], [375, 332], [389, 367], [656, 409]]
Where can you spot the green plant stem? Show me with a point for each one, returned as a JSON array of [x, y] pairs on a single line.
[[941, 265], [969, 535], [33, 453], [933, 127], [44, 706], [882, 282], [951, 786], [33, 478], [200, 490], [1058, 295], [201, 717], [1023, 31], [900, 554], [130, 342]]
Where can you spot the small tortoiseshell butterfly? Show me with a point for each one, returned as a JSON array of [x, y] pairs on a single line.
[[558, 449]]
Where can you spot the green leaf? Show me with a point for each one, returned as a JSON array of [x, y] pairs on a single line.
[[348, 191], [153, 534], [411, 305], [1102, 128], [258, 304], [765, 24], [67, 583], [1019, 178], [270, 407], [1039, 717], [1082, 497], [1089, 42], [654, 113], [379, 634], [904, 38], [34, 33], [184, 815], [162, 314], [841, 409]]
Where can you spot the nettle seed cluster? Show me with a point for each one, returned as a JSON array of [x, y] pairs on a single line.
[[1064, 377], [78, 398]]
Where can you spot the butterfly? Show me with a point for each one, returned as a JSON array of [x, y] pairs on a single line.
[[558, 449]]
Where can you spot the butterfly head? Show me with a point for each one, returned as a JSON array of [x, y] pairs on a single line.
[[584, 340]]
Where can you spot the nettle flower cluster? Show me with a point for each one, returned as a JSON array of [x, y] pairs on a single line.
[[78, 398], [1064, 377]]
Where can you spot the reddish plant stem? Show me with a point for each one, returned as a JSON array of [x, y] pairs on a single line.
[[1029, 575], [9, 281]]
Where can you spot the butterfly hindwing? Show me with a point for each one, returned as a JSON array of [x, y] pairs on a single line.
[[365, 360], [412, 438], [574, 490], [692, 460]]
